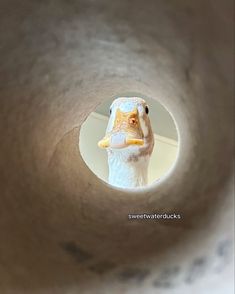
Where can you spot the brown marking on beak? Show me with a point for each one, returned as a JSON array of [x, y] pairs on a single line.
[[128, 122]]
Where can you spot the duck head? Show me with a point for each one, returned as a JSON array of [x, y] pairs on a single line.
[[129, 142]]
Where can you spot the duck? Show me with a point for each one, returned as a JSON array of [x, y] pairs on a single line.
[[129, 142]]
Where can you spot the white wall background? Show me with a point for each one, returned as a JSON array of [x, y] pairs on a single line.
[[93, 129]]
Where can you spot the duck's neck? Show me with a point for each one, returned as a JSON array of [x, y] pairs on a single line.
[[128, 173]]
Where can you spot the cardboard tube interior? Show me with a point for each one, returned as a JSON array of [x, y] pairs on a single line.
[[62, 229]]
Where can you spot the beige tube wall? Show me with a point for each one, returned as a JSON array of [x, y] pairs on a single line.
[[62, 230]]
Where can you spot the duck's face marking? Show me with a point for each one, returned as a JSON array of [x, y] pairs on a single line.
[[129, 129], [126, 124]]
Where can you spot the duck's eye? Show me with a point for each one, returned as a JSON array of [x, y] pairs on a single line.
[[146, 109], [110, 110]]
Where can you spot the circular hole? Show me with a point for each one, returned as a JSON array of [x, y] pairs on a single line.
[[151, 151]]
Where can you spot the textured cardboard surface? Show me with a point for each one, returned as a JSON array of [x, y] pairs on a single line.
[[62, 229]]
